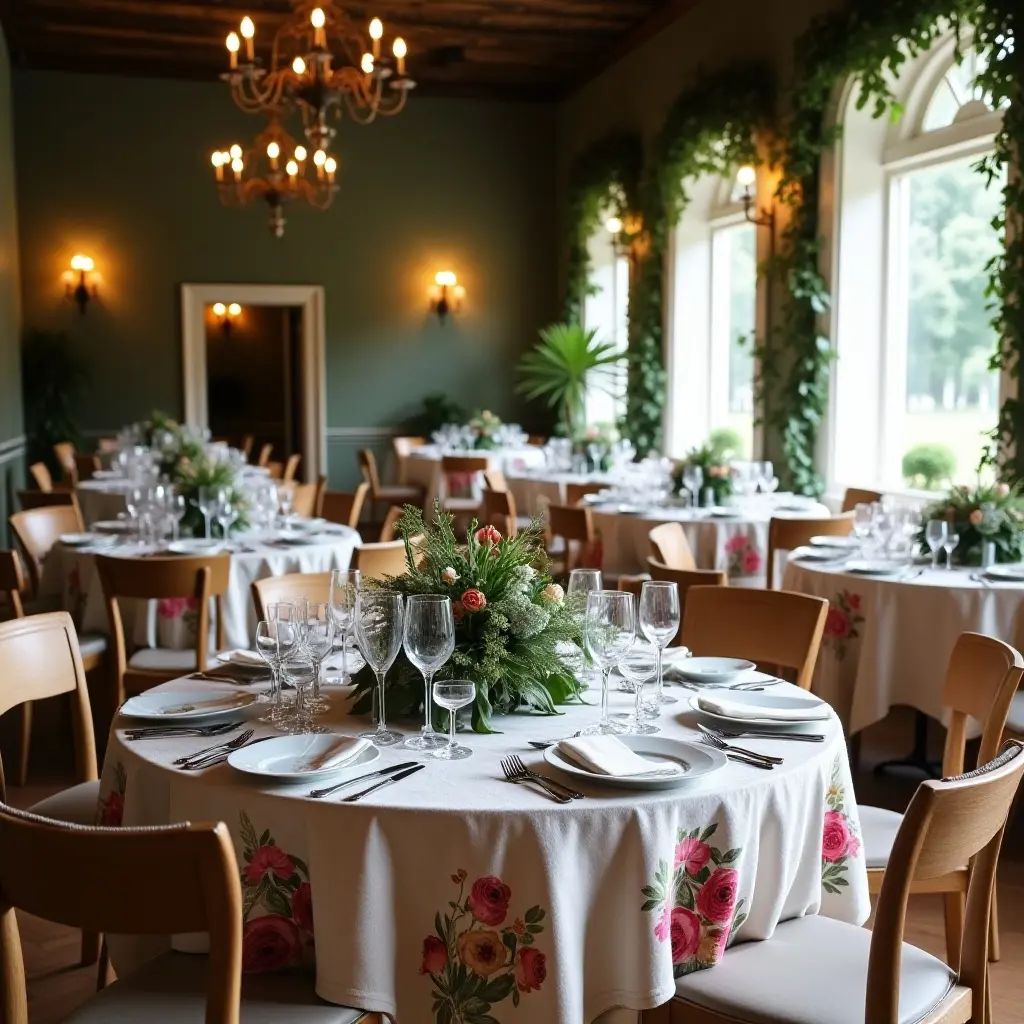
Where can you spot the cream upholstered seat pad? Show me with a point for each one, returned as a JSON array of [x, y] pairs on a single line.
[[78, 804], [813, 970], [91, 643], [172, 988], [878, 830], [167, 659]]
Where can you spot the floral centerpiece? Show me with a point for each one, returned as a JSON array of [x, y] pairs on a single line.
[[484, 426], [511, 620], [596, 443], [987, 512], [714, 464]]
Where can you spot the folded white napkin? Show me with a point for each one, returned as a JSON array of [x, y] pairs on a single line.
[[347, 748], [243, 657], [608, 755], [721, 705]]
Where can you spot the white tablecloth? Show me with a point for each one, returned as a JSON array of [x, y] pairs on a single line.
[[551, 913], [888, 641], [71, 573], [102, 499], [423, 466]]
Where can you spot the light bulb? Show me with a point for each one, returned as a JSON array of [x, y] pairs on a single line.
[[746, 175], [236, 166], [318, 19], [613, 225], [376, 28], [234, 309], [299, 66], [233, 42], [273, 150], [292, 168], [398, 48], [319, 157], [445, 278], [80, 262], [217, 159], [235, 152], [330, 165], [219, 309], [248, 29], [300, 153], [367, 63]]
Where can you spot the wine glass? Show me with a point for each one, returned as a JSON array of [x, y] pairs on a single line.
[[935, 538], [208, 502], [863, 521], [275, 640], [318, 640], [227, 513], [659, 621], [345, 585], [301, 673], [177, 507], [693, 477], [611, 630], [639, 664], [429, 642], [378, 620], [453, 694], [581, 583], [285, 498], [950, 542], [133, 506]]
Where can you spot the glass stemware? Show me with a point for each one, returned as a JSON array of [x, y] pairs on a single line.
[[453, 694], [345, 585], [379, 618], [935, 537], [227, 513], [863, 522], [659, 621], [581, 583], [285, 498], [275, 641], [611, 630], [301, 673], [949, 544], [177, 506], [318, 640], [429, 642], [693, 478], [208, 501], [639, 664]]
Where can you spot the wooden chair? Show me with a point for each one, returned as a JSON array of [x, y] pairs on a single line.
[[670, 547], [855, 496], [402, 448], [684, 579], [41, 475], [65, 452], [981, 679], [308, 498], [48, 499], [494, 480], [275, 470], [375, 561], [387, 528], [816, 968], [537, 440], [790, 534], [265, 452], [467, 466], [314, 586], [500, 511], [344, 507], [85, 466], [12, 582], [37, 530], [394, 494], [39, 658], [201, 577], [120, 896], [291, 467], [108, 445], [575, 493], [573, 526], [773, 628]]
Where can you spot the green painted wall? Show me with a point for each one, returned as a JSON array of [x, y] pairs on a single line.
[[119, 168]]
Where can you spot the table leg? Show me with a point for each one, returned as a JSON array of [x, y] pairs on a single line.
[[918, 756]]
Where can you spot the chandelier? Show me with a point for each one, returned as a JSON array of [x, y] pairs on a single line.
[[323, 65]]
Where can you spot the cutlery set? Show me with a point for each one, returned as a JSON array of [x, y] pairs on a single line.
[[318, 794], [517, 772], [157, 732], [216, 754]]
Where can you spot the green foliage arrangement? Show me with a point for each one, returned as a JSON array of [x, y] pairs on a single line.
[[727, 441], [987, 512], [52, 378], [713, 457], [928, 466], [483, 425], [511, 620]]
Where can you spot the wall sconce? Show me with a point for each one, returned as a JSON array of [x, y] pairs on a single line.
[[85, 288], [747, 176], [447, 294], [226, 315]]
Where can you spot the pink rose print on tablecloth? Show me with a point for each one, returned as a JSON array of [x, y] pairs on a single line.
[[270, 943], [268, 858], [696, 901], [111, 807], [839, 838], [742, 556], [474, 960], [842, 622]]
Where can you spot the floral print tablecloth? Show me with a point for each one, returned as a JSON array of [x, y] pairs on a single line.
[[455, 897]]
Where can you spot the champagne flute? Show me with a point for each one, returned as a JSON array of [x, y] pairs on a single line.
[[611, 630], [208, 501], [581, 583], [285, 498], [639, 664], [345, 585], [318, 639], [429, 643], [659, 621], [935, 537], [949, 544], [177, 506], [453, 694], [378, 619]]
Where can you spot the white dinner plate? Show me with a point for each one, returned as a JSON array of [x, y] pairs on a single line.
[[817, 554], [187, 704], [758, 723], [712, 670], [112, 526], [847, 543], [719, 512], [81, 540], [1010, 571], [698, 761], [289, 758], [873, 567], [296, 537], [196, 546], [105, 474], [311, 525]]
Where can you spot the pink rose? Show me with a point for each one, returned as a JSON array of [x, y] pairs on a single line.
[[473, 601], [976, 517], [174, 607], [449, 575], [751, 560], [554, 593], [435, 955], [487, 535], [458, 612], [268, 858], [663, 928], [854, 848], [531, 969], [835, 842], [734, 544], [853, 600], [1002, 490], [112, 810], [693, 853], [302, 907], [488, 899], [685, 934], [717, 896], [837, 625], [269, 943]]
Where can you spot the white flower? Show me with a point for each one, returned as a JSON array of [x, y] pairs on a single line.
[[554, 593], [449, 575]]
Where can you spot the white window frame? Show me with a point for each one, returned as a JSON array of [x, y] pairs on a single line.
[[602, 253]]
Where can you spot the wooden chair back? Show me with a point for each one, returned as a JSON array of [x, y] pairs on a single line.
[[65, 452], [40, 473], [537, 440], [314, 586], [275, 470], [855, 496], [387, 528], [200, 576], [12, 582], [575, 526], [86, 465], [265, 452], [291, 467], [949, 823], [500, 510], [773, 628], [575, 493], [402, 448], [684, 579], [48, 499], [375, 561], [121, 897], [38, 529], [108, 445], [39, 658], [345, 507], [368, 467], [790, 534], [670, 547], [494, 480], [245, 446], [465, 464], [308, 498]]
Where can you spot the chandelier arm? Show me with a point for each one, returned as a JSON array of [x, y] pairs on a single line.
[[386, 110]]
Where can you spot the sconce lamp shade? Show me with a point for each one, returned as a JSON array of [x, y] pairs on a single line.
[[746, 175], [82, 291], [447, 294]]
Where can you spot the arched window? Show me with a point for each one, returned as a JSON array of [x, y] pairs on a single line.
[[913, 237], [606, 309]]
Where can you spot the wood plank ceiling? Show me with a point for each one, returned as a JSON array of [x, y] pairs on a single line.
[[516, 48]]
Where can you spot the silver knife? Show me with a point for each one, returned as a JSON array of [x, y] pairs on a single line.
[[387, 782], [317, 793]]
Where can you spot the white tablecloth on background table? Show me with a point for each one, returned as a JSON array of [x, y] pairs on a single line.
[[888, 640], [71, 573], [102, 499], [578, 891], [423, 466]]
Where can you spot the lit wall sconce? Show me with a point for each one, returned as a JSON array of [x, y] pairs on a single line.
[[747, 177], [626, 233], [447, 294], [79, 282], [226, 315]]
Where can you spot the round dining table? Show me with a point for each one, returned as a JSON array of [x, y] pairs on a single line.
[[422, 467], [456, 895], [888, 638]]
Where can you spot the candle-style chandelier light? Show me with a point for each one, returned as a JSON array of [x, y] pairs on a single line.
[[355, 78]]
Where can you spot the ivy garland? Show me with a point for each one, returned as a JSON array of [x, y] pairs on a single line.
[[871, 40]]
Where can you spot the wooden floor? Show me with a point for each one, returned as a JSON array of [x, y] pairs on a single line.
[[56, 986]]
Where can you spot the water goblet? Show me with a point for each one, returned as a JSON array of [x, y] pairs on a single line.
[[345, 585], [935, 537], [208, 502], [453, 694], [318, 641], [301, 673], [379, 618], [693, 478], [949, 543], [285, 499], [639, 664], [227, 513], [177, 507], [659, 621], [275, 641], [863, 522], [429, 638], [611, 630]]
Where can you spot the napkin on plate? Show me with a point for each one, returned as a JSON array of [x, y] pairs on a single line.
[[722, 705], [608, 755], [241, 656], [347, 748]]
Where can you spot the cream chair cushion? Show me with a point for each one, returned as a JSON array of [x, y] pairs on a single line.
[[91, 643], [878, 828], [813, 970], [171, 989], [399, 494], [77, 804], [166, 659]]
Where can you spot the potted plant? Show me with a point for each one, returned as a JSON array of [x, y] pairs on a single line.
[[52, 375]]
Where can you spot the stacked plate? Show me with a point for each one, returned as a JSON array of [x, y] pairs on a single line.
[[187, 704], [83, 540], [1012, 572], [755, 709]]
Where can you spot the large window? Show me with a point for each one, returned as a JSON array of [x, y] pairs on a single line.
[[606, 310], [912, 386]]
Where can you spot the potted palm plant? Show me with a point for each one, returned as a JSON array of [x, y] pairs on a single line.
[[566, 363]]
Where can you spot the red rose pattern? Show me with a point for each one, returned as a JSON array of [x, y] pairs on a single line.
[[839, 838], [435, 955], [531, 969], [836, 839], [742, 557], [685, 934], [843, 622], [717, 897], [693, 854], [488, 900], [269, 943], [269, 858], [110, 812], [302, 906]]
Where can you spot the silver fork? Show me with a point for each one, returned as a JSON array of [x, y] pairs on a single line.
[[744, 687], [519, 766], [806, 737], [513, 775], [201, 755], [717, 741], [742, 758], [169, 732]]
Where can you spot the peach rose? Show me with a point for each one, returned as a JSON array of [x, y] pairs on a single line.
[[554, 593], [473, 601], [976, 517]]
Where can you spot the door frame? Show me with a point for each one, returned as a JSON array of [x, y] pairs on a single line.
[[310, 297]]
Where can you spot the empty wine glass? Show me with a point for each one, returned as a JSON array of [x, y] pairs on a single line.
[[275, 641], [378, 620], [950, 542], [345, 584], [429, 642], [935, 538], [611, 630], [639, 664], [133, 506], [453, 694], [693, 477], [208, 502], [227, 513], [318, 641], [581, 583], [659, 621], [177, 506], [285, 498], [863, 521], [301, 674]]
